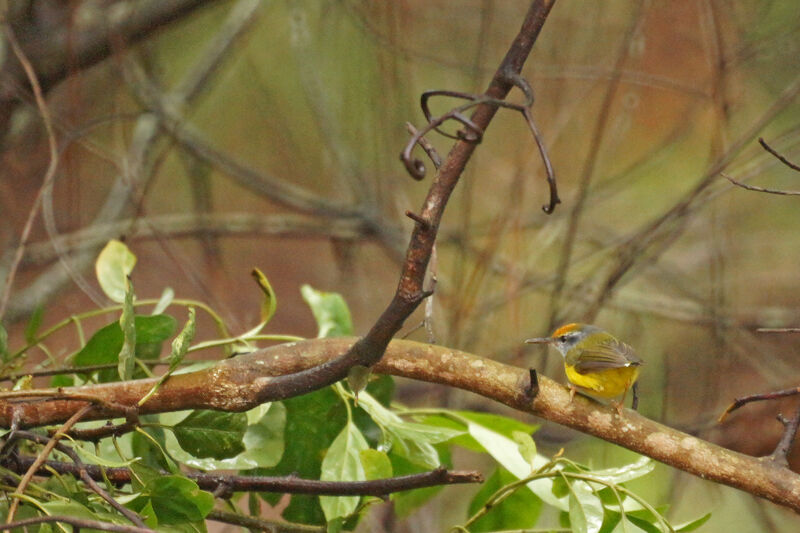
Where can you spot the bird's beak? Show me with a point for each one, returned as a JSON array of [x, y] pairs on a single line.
[[539, 340]]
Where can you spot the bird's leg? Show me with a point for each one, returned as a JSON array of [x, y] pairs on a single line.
[[635, 403], [572, 391], [619, 405]]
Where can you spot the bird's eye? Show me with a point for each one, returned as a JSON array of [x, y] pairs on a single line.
[[562, 338]]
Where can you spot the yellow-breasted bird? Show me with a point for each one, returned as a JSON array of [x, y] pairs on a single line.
[[595, 361]]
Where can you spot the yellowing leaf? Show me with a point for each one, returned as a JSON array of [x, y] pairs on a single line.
[[270, 301], [113, 266]]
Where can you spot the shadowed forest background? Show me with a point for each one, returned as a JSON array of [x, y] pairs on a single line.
[[284, 156]]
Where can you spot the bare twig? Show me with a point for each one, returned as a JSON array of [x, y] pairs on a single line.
[[744, 400], [474, 133], [41, 458], [426, 146], [777, 155], [82, 523], [277, 484], [51, 167], [82, 471], [759, 189], [781, 452]]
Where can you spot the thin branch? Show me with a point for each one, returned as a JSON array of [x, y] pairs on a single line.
[[41, 458], [777, 155], [51, 168], [82, 523], [787, 440], [82, 472], [759, 189], [278, 484], [744, 400]]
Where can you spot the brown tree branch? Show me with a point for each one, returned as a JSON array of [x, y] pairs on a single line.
[[243, 382], [55, 54], [278, 484]]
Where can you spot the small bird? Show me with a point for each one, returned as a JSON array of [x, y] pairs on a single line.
[[595, 362]]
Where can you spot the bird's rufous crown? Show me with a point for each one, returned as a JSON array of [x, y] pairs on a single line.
[[565, 329]]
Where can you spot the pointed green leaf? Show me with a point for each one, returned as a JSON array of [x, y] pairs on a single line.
[[376, 463], [34, 324], [693, 524], [586, 512], [358, 379], [270, 301], [127, 355], [527, 447], [330, 311], [312, 422], [622, 474], [113, 266], [3, 343], [180, 347], [177, 500], [520, 510], [342, 462], [212, 433], [104, 346]]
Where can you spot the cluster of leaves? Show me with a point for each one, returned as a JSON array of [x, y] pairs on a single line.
[[325, 435]]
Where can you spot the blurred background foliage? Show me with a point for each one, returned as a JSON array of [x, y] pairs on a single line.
[[285, 157]]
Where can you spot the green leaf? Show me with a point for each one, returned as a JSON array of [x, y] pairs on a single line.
[[127, 355], [34, 324], [412, 440], [622, 474], [376, 463], [71, 509], [177, 500], [270, 301], [330, 311], [167, 295], [263, 443], [358, 378], [154, 328], [520, 510], [405, 502], [113, 266], [342, 462], [498, 423], [212, 433], [586, 512], [312, 422], [644, 522], [506, 452], [104, 346], [3, 343], [180, 347], [693, 524], [527, 447]]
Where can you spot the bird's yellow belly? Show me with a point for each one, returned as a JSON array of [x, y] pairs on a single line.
[[607, 383]]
